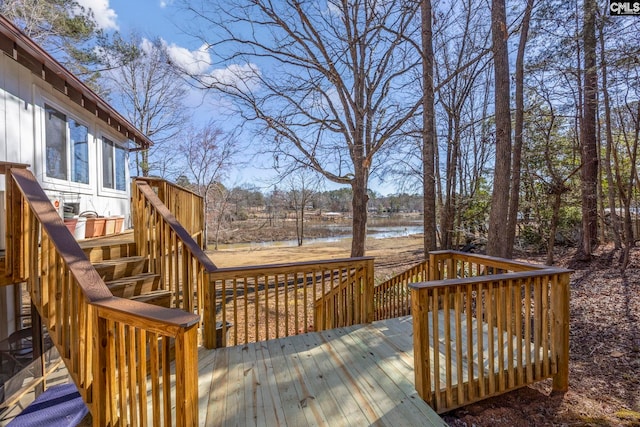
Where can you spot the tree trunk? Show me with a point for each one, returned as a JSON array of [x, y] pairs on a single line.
[[145, 163], [359, 204], [428, 132], [300, 221], [514, 197], [615, 220], [498, 217], [555, 218], [589, 151], [629, 240]]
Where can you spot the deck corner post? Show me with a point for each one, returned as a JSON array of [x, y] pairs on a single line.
[[560, 301], [99, 392], [422, 368], [187, 377], [369, 291], [209, 314]]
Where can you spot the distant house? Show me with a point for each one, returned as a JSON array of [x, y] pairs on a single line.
[[75, 143]]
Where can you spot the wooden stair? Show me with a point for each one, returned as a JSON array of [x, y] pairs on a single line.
[[125, 273], [112, 269], [132, 286]]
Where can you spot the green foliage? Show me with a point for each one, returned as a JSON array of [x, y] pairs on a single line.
[[64, 29]]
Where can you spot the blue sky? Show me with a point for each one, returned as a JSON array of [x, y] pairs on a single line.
[[156, 18]]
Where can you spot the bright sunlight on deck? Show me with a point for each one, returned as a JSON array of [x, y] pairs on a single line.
[[357, 375]]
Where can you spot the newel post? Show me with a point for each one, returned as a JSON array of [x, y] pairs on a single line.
[[369, 292], [186, 343], [209, 312], [99, 399], [422, 368], [560, 303]]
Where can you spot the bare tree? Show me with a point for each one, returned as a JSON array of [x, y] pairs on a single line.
[[629, 135], [152, 95], [303, 187], [498, 217], [516, 161], [208, 153], [456, 48], [219, 203], [340, 86], [615, 219]]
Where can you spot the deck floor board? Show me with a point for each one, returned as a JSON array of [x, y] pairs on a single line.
[[354, 376]]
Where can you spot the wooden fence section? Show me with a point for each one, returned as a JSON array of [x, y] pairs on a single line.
[[112, 347], [392, 298], [458, 265], [140, 379], [16, 266], [171, 250], [184, 204], [486, 334], [249, 304]]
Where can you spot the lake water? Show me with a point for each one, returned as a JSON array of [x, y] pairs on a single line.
[[373, 232]]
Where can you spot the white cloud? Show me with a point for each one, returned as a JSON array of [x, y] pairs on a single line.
[[244, 77], [104, 16], [163, 4], [192, 61], [198, 63]]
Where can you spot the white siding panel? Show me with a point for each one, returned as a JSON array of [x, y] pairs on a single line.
[[26, 119], [3, 121], [13, 106]]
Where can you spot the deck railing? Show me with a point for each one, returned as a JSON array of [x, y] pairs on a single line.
[[172, 252], [186, 205], [16, 253], [484, 326], [392, 298], [248, 304], [117, 351], [257, 303]]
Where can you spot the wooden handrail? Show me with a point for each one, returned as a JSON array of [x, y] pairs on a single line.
[[175, 226], [186, 205], [256, 303], [101, 338], [478, 334], [286, 267], [488, 278], [392, 298], [485, 260], [158, 182], [89, 280]]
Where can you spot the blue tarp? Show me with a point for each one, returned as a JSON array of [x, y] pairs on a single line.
[[60, 405]]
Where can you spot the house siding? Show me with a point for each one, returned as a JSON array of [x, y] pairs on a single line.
[[22, 140]]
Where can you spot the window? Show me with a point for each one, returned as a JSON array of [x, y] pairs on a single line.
[[79, 152], [113, 166], [67, 147]]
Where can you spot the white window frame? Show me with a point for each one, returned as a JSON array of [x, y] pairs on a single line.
[[67, 183], [102, 190]]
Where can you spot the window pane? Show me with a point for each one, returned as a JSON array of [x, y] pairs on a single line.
[[107, 164], [56, 143], [80, 152], [121, 176]]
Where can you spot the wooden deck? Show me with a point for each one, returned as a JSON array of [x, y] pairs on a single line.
[[358, 375]]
